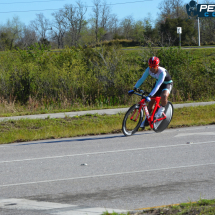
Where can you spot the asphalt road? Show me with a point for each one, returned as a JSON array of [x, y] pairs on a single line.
[[85, 175]]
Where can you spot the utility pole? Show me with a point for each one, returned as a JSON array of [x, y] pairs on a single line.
[[193, 13], [198, 29]]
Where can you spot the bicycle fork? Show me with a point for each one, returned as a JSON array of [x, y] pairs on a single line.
[[143, 105], [147, 115]]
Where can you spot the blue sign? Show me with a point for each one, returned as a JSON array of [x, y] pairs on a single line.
[[206, 10], [195, 10]]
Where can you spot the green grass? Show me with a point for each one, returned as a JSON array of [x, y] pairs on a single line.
[[202, 207], [40, 129], [10, 110], [18, 110]]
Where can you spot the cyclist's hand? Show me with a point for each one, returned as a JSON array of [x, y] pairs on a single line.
[[148, 99], [130, 92], [136, 89]]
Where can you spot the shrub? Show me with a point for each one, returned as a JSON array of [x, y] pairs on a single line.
[[100, 76]]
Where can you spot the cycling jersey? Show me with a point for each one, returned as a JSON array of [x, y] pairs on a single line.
[[162, 77]]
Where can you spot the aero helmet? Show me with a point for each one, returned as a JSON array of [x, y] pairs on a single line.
[[153, 61]]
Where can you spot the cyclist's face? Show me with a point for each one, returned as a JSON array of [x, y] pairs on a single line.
[[153, 69]]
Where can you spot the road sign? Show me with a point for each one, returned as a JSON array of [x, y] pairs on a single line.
[[179, 30]]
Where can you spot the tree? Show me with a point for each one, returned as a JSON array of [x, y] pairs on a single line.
[[207, 30], [59, 28], [96, 11], [170, 35], [139, 31], [100, 19], [74, 21], [105, 16], [127, 26], [173, 14], [41, 25], [11, 33], [27, 39], [4, 40], [113, 24], [172, 9], [150, 32]]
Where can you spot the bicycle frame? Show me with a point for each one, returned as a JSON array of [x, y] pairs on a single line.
[[149, 117]]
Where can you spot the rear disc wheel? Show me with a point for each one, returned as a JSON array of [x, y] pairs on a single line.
[[162, 125]]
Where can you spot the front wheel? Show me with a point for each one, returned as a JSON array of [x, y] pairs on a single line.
[[132, 120]]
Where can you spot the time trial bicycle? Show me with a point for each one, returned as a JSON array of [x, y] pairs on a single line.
[[134, 116]]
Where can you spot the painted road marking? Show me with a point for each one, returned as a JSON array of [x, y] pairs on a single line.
[[53, 208], [105, 152], [105, 175], [191, 134]]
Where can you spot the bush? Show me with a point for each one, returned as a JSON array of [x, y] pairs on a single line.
[[100, 76]]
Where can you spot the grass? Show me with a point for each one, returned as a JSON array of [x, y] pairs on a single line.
[[7, 110], [40, 129], [202, 207]]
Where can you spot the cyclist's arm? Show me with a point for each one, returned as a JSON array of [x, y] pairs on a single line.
[[160, 80], [142, 79]]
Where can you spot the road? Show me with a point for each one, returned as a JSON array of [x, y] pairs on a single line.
[[85, 175]]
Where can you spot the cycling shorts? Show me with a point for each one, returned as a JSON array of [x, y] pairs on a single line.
[[163, 87]]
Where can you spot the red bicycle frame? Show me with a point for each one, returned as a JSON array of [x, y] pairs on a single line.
[[149, 117]]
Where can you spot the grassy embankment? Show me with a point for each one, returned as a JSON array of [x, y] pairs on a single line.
[[202, 207], [37, 81], [38, 129]]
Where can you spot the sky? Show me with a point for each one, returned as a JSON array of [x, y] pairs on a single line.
[[26, 10]]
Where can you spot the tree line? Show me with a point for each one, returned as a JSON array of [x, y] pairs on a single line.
[[70, 27]]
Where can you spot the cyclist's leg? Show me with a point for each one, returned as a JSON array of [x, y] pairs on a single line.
[[152, 102], [164, 97], [166, 89], [150, 106], [145, 121]]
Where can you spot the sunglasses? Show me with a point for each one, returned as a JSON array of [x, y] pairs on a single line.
[[154, 67]]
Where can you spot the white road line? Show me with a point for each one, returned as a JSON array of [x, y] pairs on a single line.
[[105, 175], [194, 134], [54, 208], [96, 153]]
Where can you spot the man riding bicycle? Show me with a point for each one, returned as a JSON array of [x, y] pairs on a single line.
[[161, 88]]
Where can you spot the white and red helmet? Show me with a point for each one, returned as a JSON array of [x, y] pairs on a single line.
[[153, 61]]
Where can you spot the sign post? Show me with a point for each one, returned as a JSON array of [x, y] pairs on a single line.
[[198, 30], [179, 31]]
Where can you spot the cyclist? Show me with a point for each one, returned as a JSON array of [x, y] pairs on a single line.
[[162, 86]]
